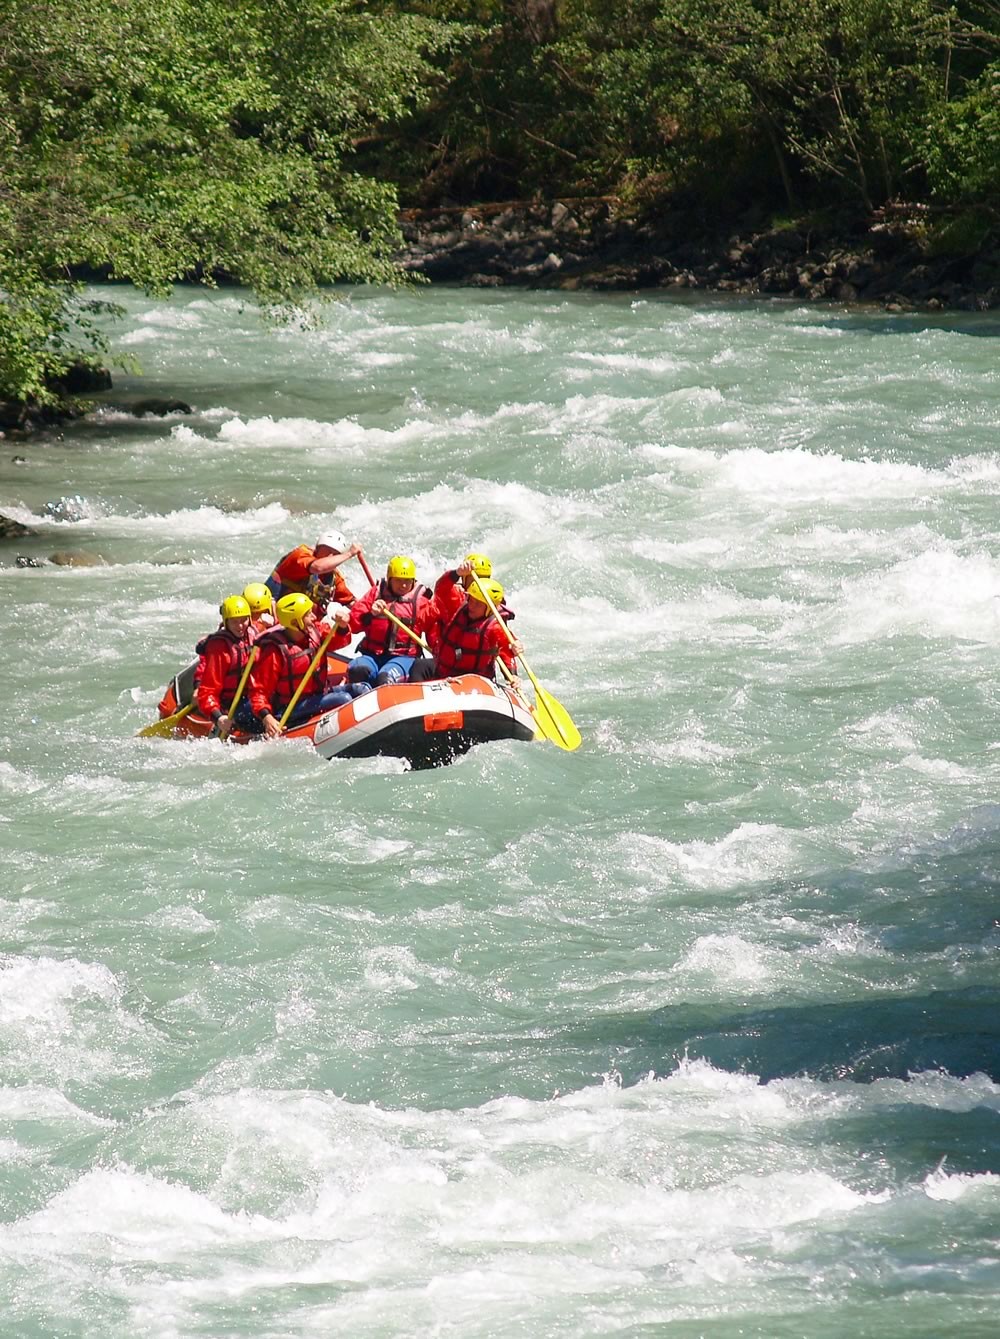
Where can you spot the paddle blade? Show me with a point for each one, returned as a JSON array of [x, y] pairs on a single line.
[[554, 720], [163, 729]]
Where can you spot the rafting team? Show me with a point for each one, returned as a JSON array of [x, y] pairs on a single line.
[[281, 624]]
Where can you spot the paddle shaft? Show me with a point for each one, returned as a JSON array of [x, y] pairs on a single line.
[[405, 627], [488, 600], [305, 679], [540, 694], [243, 680]]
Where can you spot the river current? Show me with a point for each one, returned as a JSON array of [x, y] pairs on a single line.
[[693, 1032]]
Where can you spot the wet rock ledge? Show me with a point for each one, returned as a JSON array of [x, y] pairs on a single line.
[[574, 244], [22, 418], [11, 529]]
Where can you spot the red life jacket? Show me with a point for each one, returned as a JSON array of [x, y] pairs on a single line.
[[295, 661], [383, 637], [238, 650], [464, 646]]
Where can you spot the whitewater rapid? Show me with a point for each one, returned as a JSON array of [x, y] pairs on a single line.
[[692, 1032]]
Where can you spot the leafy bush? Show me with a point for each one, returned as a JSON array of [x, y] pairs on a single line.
[[190, 138]]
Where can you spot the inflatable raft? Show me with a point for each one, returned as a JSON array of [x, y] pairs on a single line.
[[427, 724]]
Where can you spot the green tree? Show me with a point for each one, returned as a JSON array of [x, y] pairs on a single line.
[[836, 88], [961, 144], [962, 148], [187, 139]]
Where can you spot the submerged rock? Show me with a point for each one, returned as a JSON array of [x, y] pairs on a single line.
[[67, 508], [77, 558], [159, 408]]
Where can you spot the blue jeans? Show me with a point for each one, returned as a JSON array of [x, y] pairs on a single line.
[[382, 669], [316, 703]]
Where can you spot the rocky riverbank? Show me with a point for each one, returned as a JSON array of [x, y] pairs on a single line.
[[901, 260], [904, 258]]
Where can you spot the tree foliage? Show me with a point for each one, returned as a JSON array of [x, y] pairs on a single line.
[[798, 101], [189, 138]]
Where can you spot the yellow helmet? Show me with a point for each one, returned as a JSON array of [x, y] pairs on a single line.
[[292, 609], [258, 597], [481, 565], [234, 606], [401, 569], [493, 589]]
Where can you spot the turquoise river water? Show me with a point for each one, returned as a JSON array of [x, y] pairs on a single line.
[[693, 1032]]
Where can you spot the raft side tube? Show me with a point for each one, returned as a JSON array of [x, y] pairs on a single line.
[[427, 724]]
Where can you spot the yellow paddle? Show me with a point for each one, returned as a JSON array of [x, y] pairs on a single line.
[[161, 729], [305, 678], [551, 716]]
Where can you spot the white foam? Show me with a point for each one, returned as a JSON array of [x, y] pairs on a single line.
[[699, 1177], [632, 362], [15, 781], [182, 920], [846, 941], [304, 434], [64, 1020], [30, 1102], [689, 744], [376, 359], [949, 1187], [43, 989], [894, 730], [942, 769], [133, 1215], [938, 593], [727, 961], [798, 476], [751, 853], [112, 414], [189, 523], [392, 968], [17, 913]]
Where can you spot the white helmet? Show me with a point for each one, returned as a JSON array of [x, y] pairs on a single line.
[[332, 539]]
